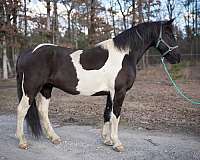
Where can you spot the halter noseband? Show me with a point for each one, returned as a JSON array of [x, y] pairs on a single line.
[[160, 39]]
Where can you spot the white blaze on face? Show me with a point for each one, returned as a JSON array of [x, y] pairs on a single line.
[[43, 44], [92, 81]]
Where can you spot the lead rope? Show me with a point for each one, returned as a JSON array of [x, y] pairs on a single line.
[[178, 89]]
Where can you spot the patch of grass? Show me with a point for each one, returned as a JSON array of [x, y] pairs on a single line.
[[177, 69]]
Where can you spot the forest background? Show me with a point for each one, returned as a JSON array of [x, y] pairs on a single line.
[[81, 24]]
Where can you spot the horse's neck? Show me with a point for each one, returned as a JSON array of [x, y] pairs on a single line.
[[136, 54]]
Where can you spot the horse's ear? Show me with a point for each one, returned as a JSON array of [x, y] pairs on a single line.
[[170, 21]]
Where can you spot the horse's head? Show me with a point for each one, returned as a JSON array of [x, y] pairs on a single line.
[[166, 43]]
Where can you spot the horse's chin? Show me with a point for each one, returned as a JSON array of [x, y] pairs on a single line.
[[173, 59]]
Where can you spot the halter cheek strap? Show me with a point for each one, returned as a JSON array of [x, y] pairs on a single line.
[[160, 39]]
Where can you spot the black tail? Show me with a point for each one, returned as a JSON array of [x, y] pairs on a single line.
[[32, 116], [33, 120], [19, 86]]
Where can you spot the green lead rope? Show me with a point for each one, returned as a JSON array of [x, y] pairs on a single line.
[[178, 89]]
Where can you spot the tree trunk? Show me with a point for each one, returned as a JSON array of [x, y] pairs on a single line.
[[193, 19], [55, 22], [170, 8], [146, 61], [123, 15], [140, 11], [124, 22], [134, 14], [148, 10], [48, 15], [188, 18], [75, 32], [196, 17], [113, 21], [91, 31], [25, 19], [5, 59], [14, 13], [69, 24], [5, 68]]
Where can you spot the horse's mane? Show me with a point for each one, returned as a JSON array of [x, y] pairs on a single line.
[[132, 40]]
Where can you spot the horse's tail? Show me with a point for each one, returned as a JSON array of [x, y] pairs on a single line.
[[19, 79], [32, 116], [19, 86], [33, 119]]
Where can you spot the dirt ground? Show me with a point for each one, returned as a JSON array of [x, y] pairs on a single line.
[[85, 143], [151, 104]]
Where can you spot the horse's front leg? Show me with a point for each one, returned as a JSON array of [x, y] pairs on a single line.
[[115, 117], [106, 127]]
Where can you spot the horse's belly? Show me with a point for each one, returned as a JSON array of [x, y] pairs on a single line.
[[93, 82]]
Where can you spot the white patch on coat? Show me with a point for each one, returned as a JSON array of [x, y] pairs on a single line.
[[23, 85], [92, 81], [114, 129], [43, 111], [21, 113], [43, 44]]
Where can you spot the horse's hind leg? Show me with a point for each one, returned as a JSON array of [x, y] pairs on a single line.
[[43, 111], [106, 127], [26, 93], [21, 113]]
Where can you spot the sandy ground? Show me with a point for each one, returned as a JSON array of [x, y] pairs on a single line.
[[152, 112], [84, 143]]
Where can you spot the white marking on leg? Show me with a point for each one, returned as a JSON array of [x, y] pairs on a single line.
[[21, 113], [106, 131], [43, 44], [114, 130], [106, 134], [92, 81], [23, 92], [43, 110]]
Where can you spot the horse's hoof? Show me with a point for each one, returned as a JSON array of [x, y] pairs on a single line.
[[108, 143], [56, 141], [119, 148], [23, 146]]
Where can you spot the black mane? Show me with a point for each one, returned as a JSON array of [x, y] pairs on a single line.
[[133, 40]]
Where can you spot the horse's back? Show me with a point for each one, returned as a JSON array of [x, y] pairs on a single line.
[[42, 57]]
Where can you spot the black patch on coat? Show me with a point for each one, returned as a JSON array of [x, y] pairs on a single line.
[[94, 59], [108, 109], [126, 75], [101, 93], [46, 90], [50, 66]]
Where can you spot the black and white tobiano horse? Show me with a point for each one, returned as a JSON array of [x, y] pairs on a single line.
[[107, 69]]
